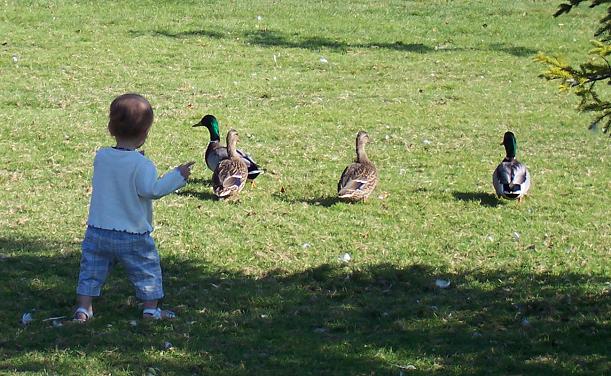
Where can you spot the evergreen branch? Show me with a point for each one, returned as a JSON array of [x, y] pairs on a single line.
[[567, 7], [582, 80]]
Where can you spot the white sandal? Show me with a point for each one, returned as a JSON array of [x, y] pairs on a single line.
[[84, 311], [158, 314]]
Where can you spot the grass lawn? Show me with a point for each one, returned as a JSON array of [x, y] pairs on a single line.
[[258, 285]]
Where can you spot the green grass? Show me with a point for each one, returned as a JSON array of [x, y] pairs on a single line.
[[258, 285]]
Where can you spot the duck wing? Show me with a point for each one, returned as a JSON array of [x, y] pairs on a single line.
[[357, 181], [511, 179], [229, 177], [251, 165]]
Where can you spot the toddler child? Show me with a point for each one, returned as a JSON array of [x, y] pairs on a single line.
[[120, 212]]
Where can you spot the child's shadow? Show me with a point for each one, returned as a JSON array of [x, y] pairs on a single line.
[[484, 199]]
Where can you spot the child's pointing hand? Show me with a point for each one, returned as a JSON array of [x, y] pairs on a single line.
[[185, 169]]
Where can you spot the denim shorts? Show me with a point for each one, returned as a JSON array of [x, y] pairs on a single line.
[[101, 249]]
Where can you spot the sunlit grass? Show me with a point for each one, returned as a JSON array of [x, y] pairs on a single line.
[[258, 285]]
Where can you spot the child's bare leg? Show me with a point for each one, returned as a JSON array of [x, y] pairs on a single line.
[[150, 304]]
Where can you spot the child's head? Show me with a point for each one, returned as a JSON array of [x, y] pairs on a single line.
[[130, 118]]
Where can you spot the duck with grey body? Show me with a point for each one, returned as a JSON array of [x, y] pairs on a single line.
[[215, 152], [511, 178]]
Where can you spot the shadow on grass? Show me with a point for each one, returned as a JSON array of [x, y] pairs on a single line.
[[203, 191], [513, 50], [273, 38], [200, 181], [179, 35], [325, 201], [200, 195], [484, 199], [325, 320]]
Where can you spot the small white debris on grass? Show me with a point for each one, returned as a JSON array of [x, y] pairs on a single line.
[[168, 345], [408, 367], [345, 257], [133, 322], [15, 58], [54, 318], [442, 283], [323, 60], [26, 318], [259, 18], [516, 236], [426, 142], [57, 323], [306, 245], [490, 238], [152, 372]]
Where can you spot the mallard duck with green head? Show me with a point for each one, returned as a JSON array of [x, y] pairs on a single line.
[[230, 174], [215, 152], [511, 178], [360, 178]]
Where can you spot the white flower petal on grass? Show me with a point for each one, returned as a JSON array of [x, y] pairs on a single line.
[[345, 257], [442, 283]]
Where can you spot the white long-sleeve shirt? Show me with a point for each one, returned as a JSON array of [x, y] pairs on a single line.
[[124, 185]]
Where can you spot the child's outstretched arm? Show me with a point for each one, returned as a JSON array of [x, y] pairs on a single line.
[[149, 185]]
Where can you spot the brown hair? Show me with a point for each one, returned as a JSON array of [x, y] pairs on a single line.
[[130, 115]]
